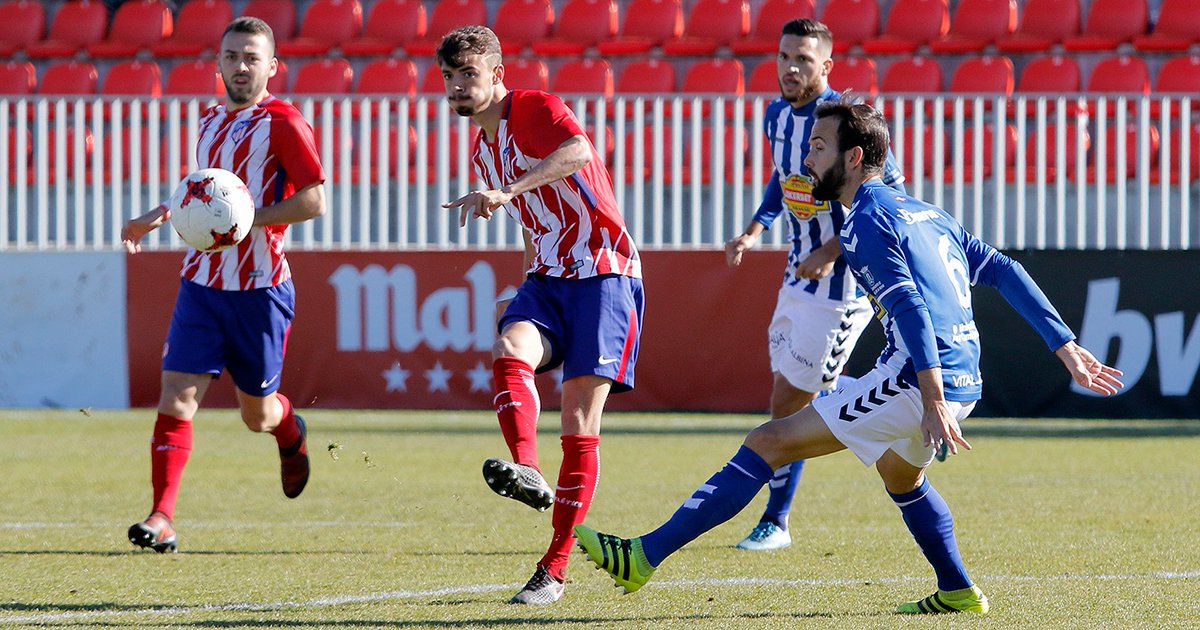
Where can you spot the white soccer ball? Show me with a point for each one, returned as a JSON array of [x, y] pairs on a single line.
[[212, 209]]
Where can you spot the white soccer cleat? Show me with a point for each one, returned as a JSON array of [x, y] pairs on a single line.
[[766, 537]]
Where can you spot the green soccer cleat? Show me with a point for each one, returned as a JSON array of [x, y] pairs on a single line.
[[622, 558], [970, 600]]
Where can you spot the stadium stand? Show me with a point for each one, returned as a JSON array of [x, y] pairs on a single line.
[[447, 16], [988, 75], [581, 24], [390, 25], [323, 76], [647, 76], [764, 79], [133, 78], [198, 28], [520, 23], [648, 23], [772, 14], [1109, 24], [25, 23], [723, 77], [136, 26], [326, 24], [976, 25], [388, 77], [1050, 75], [280, 15], [525, 73], [711, 24], [1177, 27], [852, 21], [854, 73], [69, 78], [910, 23], [76, 25], [1043, 24], [17, 78], [198, 77], [583, 76], [278, 84]]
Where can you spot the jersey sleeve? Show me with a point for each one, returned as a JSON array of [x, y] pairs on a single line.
[[892, 175], [541, 122], [1020, 291], [772, 202], [296, 150], [873, 247]]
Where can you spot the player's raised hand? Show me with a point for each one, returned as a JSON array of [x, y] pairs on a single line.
[[479, 203], [1089, 372], [136, 228], [736, 246]]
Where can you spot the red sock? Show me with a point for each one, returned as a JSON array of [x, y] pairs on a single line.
[[288, 432], [517, 407], [169, 450], [572, 498]]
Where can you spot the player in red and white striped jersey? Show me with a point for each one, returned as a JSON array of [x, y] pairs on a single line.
[[235, 307], [581, 303]]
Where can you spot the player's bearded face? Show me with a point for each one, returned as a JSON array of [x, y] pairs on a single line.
[[801, 69], [246, 62], [829, 184]]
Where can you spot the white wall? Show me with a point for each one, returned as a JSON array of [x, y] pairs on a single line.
[[62, 330]]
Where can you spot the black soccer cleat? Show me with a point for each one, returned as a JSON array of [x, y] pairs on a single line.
[[156, 532], [520, 482], [293, 463]]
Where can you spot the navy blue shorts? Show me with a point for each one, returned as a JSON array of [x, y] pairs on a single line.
[[244, 332], [593, 324]]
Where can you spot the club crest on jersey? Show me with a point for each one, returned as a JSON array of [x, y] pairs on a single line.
[[198, 189], [239, 131], [797, 197]]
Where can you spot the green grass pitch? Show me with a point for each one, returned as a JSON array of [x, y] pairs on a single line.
[[1064, 524]]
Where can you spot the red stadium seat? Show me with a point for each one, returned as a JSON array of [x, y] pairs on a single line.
[[199, 77], [647, 76], [914, 75], [519, 23], [76, 26], [280, 15], [711, 24], [133, 78], [526, 74], [1109, 24], [1129, 168], [198, 29], [706, 152], [720, 77], [391, 24], [581, 24], [988, 149], [977, 24], [1072, 132], [910, 23], [327, 24], [323, 76], [1177, 27], [390, 77], [764, 39], [851, 22], [988, 75], [928, 155], [1050, 75], [24, 24], [69, 78], [1119, 76], [584, 76], [1044, 23], [764, 78], [278, 84], [648, 23], [17, 78], [854, 73], [432, 82], [647, 153], [447, 16], [137, 25], [1179, 75]]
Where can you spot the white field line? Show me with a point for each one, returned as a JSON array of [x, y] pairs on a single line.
[[339, 600], [214, 525]]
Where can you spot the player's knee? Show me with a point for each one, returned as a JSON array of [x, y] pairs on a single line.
[[768, 440], [255, 420]]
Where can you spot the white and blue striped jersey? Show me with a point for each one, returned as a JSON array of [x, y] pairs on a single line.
[[917, 265], [813, 223]]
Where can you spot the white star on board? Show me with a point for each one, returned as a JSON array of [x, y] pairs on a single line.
[[439, 378], [480, 377], [396, 377]]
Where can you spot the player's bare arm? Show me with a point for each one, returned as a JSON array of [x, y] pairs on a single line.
[[568, 158], [1088, 371], [740, 244], [938, 425], [307, 203], [136, 228], [819, 262]]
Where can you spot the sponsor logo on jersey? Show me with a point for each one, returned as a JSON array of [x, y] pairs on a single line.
[[798, 199], [916, 217]]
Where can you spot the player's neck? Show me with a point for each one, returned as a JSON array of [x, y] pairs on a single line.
[[853, 184], [489, 119], [230, 106], [814, 97]]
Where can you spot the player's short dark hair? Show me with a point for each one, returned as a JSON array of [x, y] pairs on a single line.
[[859, 125], [253, 26], [805, 27], [463, 42]]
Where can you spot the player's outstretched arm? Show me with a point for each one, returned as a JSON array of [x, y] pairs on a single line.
[[740, 244], [136, 228], [306, 203], [1089, 372]]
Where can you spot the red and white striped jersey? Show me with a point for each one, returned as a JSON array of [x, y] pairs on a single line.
[[576, 228], [270, 146]]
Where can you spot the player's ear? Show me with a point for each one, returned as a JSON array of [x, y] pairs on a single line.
[[854, 157], [498, 74], [272, 67]]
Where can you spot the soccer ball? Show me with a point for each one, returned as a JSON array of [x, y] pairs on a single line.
[[212, 209]]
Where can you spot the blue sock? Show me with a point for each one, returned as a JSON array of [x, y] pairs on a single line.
[[783, 488], [929, 519], [716, 501]]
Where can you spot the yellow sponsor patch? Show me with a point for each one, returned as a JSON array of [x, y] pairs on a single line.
[[797, 197]]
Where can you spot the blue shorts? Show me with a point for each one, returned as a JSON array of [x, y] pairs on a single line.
[[593, 324], [244, 332]]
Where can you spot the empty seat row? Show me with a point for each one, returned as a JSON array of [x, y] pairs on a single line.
[[394, 26]]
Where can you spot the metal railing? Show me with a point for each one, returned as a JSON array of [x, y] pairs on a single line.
[[1073, 171]]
